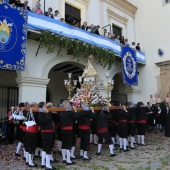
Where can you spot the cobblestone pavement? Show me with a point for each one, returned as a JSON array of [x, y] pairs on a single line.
[[154, 156]]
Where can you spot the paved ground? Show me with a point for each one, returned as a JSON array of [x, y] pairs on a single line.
[[154, 156]]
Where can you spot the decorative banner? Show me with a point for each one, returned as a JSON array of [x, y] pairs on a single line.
[[13, 37], [129, 66]]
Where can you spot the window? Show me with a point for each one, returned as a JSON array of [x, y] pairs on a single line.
[[72, 15], [116, 30]]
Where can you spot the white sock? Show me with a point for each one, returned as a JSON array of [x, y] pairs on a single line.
[[81, 152], [142, 139], [127, 142], [30, 160], [138, 139], [68, 156], [36, 151], [91, 138], [48, 161], [63, 154], [27, 157], [111, 149], [117, 139], [120, 142], [99, 148], [72, 152], [95, 139], [43, 157], [132, 141], [124, 143], [18, 147], [85, 155], [24, 152], [113, 140], [59, 145], [51, 156]]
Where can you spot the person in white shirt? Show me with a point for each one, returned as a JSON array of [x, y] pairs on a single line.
[[56, 17]]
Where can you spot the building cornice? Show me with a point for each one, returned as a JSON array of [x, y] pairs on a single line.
[[84, 2], [163, 63], [116, 16], [123, 5]]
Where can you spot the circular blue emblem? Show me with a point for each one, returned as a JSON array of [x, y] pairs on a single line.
[[8, 34], [160, 52]]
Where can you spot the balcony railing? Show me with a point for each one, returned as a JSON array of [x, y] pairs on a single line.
[[41, 22]]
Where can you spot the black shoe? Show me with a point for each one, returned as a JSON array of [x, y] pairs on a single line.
[[53, 168], [72, 163], [24, 158], [73, 158], [63, 161], [132, 147], [26, 163], [43, 166], [98, 153], [87, 159], [143, 144], [121, 149], [16, 154], [37, 156], [114, 148], [54, 161], [139, 144], [112, 155], [35, 165], [126, 150]]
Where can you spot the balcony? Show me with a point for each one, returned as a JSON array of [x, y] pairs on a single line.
[[40, 22]]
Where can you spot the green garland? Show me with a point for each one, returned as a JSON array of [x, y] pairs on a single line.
[[80, 49]]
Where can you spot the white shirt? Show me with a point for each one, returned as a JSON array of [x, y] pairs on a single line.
[[56, 18]]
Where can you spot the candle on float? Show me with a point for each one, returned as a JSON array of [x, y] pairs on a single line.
[[109, 80], [107, 74], [65, 82], [75, 82], [69, 75], [80, 79], [112, 82]]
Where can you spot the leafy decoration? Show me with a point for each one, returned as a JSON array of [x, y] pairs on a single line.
[[80, 49]]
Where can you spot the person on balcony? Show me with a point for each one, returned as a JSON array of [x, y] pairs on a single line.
[[133, 46], [37, 9], [84, 26], [56, 17], [49, 13], [16, 3], [126, 42], [26, 5], [138, 47], [122, 41], [117, 39]]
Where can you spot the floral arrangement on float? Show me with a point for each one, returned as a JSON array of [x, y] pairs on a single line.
[[94, 98]]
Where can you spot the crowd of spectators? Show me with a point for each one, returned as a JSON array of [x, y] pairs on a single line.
[[92, 28]]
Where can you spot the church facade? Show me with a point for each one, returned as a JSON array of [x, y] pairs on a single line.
[[44, 75]]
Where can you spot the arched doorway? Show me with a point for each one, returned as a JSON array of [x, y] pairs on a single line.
[[8, 92], [56, 89], [120, 90]]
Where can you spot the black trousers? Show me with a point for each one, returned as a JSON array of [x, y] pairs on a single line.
[[10, 132], [39, 140], [131, 129], [48, 141], [59, 133], [21, 135], [112, 130], [84, 135], [31, 142], [141, 128], [67, 139], [105, 135], [122, 130]]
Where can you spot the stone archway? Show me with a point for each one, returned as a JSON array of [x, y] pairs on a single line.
[[57, 75]]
